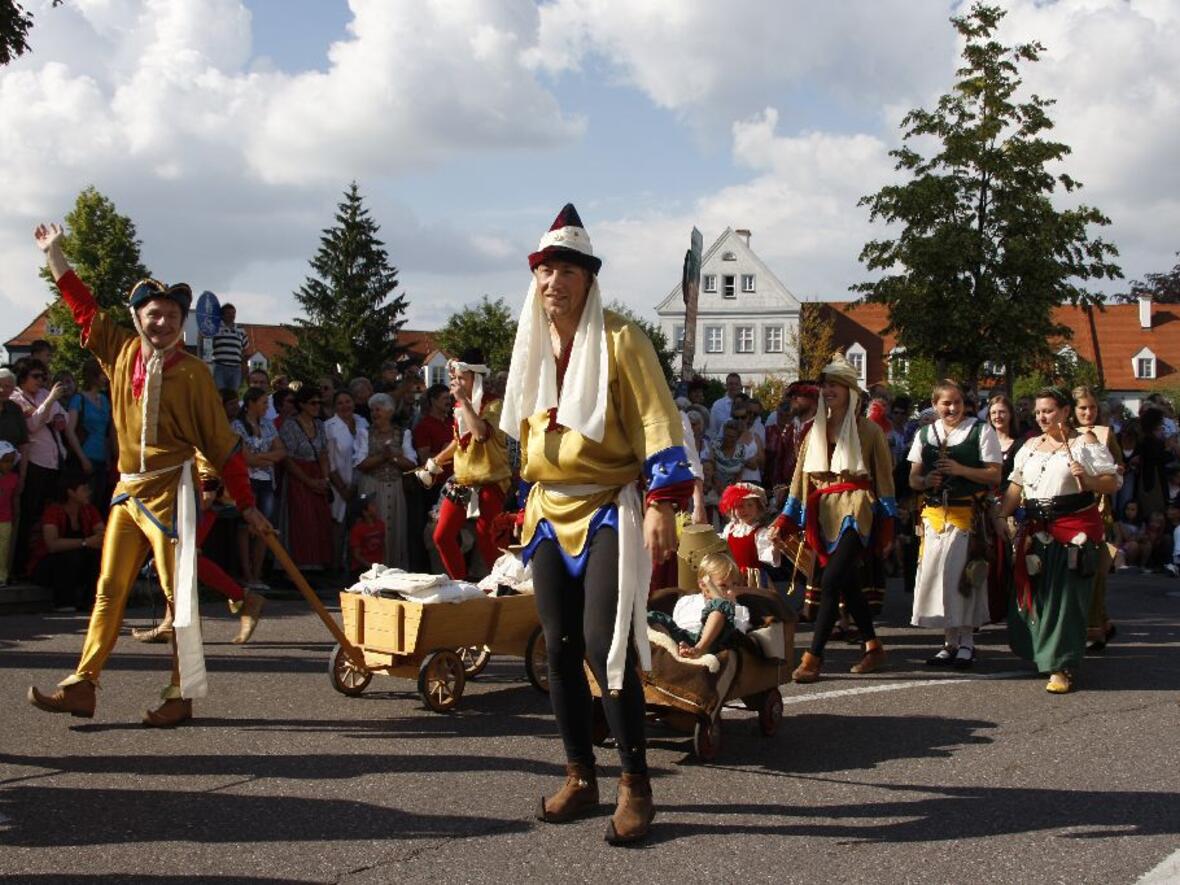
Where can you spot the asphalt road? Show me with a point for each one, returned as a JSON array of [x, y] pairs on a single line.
[[905, 776]]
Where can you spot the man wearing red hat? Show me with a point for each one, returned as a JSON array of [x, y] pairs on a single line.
[[786, 435], [165, 410], [587, 399]]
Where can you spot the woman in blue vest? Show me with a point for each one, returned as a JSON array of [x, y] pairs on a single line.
[[953, 462]]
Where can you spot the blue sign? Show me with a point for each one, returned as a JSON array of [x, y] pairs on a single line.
[[208, 314]]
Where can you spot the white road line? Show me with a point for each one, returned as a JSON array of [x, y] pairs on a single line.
[[896, 686], [1167, 873]]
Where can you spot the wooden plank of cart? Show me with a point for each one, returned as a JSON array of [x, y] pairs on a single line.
[[441, 645]]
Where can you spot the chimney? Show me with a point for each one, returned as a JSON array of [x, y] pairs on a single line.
[[744, 234], [1145, 311]]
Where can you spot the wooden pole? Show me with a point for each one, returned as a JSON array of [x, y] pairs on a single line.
[[283, 558]]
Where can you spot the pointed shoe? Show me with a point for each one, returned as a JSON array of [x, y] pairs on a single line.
[[633, 815], [578, 796], [76, 699], [169, 714], [808, 669], [251, 614]]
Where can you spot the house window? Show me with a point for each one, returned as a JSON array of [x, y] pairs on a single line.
[[727, 284], [714, 339], [678, 337], [438, 375], [773, 342], [857, 361], [710, 282], [747, 282], [1145, 367], [744, 339], [991, 367], [728, 256]]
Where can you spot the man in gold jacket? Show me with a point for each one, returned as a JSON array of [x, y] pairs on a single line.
[[165, 409]]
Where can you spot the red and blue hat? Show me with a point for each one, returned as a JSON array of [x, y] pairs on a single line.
[[566, 240]]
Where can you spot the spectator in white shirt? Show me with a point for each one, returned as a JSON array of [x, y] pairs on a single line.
[[723, 408]]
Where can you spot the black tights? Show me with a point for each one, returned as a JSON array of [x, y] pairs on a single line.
[[842, 576], [578, 617]]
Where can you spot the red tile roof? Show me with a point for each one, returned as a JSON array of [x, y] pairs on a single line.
[[260, 337], [1109, 338]]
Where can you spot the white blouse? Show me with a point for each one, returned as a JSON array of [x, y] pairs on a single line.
[[1045, 474], [989, 443]]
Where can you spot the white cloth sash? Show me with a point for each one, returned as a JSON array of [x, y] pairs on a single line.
[[186, 616], [634, 577]]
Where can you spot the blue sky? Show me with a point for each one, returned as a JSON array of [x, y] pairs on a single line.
[[227, 130]]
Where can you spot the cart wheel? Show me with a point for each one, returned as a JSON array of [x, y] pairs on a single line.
[[536, 661], [346, 677], [440, 680], [706, 739], [770, 714], [475, 659], [753, 702], [599, 728]]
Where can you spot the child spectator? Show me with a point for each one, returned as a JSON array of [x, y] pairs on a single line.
[[67, 545], [1158, 541], [366, 538], [9, 483], [1130, 538], [704, 623]]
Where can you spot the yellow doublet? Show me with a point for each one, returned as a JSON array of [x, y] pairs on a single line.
[[190, 416], [484, 463], [858, 504], [641, 420]]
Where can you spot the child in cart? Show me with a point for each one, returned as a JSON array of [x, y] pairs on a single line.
[[706, 622]]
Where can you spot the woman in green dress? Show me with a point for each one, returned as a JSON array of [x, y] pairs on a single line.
[[1057, 479]]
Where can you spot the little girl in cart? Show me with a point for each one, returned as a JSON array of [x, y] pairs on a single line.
[[706, 622]]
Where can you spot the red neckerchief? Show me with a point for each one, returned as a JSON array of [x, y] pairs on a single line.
[[139, 368], [563, 362]]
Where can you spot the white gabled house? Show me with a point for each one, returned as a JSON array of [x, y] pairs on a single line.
[[747, 320]]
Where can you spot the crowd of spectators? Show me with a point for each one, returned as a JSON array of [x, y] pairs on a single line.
[[322, 451]]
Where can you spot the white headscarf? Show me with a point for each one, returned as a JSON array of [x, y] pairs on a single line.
[[532, 376], [846, 456], [479, 370]]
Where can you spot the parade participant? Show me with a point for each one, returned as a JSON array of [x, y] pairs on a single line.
[[953, 462], [842, 498], [1085, 410], [1057, 478], [744, 504], [786, 435], [165, 409], [704, 623], [479, 454], [587, 398]]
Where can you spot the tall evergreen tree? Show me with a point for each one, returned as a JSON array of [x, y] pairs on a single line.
[[982, 256], [350, 321], [103, 247]]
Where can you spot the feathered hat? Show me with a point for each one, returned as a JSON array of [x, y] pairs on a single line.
[[738, 492]]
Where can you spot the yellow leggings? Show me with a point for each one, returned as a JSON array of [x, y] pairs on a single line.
[[130, 534]]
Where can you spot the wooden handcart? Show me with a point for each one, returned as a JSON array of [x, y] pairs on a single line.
[[440, 645]]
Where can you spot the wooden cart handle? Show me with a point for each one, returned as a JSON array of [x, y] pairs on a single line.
[[284, 559]]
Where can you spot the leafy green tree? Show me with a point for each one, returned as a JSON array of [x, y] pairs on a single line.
[[1162, 287], [814, 339], [658, 339], [103, 247], [15, 24], [488, 325], [350, 321], [981, 255]]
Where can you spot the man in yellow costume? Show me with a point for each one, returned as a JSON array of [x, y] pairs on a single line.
[[165, 409], [479, 453], [588, 401]]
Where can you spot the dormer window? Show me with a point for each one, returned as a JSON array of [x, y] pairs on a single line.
[[856, 358], [1144, 364]]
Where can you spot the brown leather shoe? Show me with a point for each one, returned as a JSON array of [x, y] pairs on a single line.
[[577, 796], [873, 660], [162, 632], [808, 669], [76, 699], [169, 714], [251, 613], [633, 816]]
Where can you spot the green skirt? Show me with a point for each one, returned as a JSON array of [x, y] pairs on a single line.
[[1053, 634]]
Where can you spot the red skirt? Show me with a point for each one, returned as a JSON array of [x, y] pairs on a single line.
[[309, 519]]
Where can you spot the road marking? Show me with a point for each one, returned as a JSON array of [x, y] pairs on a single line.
[[1166, 873], [897, 686]]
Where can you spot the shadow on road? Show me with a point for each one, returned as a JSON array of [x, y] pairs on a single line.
[[945, 814]]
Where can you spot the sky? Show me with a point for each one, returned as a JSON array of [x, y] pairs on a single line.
[[228, 131]]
